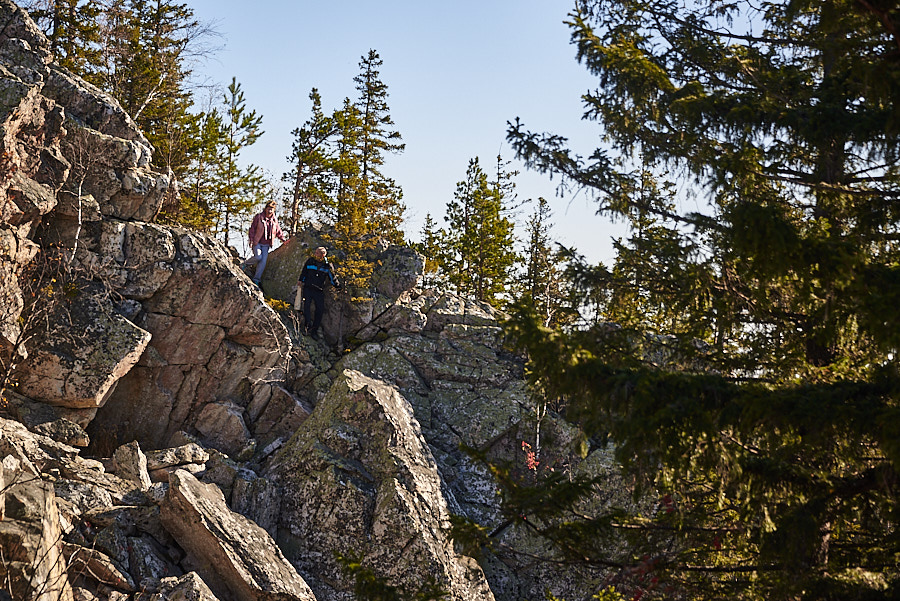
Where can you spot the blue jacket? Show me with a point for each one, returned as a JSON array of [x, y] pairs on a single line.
[[316, 273]]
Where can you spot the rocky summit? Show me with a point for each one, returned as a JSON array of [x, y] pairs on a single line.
[[166, 434]]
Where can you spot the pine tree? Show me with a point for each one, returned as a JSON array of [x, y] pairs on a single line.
[[478, 245], [344, 210], [197, 204], [347, 216], [379, 194], [237, 187], [774, 457], [147, 46]]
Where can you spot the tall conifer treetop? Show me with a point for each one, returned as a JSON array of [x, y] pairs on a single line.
[[375, 139]]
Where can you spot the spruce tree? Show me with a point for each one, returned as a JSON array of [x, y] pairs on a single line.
[[344, 210], [147, 45], [773, 450], [346, 213], [430, 247], [198, 204], [542, 283]]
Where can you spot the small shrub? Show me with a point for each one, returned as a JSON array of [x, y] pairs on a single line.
[[278, 305]]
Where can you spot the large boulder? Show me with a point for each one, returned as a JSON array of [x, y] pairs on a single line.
[[398, 269], [234, 556], [77, 361], [189, 587], [283, 268], [464, 388], [358, 479]]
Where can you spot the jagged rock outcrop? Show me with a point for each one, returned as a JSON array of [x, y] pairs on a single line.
[[186, 329], [359, 479], [466, 388], [37, 512], [30, 126]]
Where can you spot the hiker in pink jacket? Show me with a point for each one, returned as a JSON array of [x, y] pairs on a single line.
[[263, 230]]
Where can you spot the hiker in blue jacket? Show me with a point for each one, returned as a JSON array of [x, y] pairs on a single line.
[[316, 274]]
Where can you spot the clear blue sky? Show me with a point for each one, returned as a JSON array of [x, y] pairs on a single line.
[[456, 73]]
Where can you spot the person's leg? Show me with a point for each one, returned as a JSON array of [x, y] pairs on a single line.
[[318, 297], [249, 265], [261, 251], [307, 309]]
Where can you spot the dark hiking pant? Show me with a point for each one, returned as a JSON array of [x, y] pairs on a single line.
[[313, 296]]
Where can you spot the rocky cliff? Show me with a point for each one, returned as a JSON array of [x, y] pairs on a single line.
[[167, 435]]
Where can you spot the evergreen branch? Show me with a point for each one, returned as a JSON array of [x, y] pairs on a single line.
[[603, 563], [802, 179], [654, 527], [662, 16], [885, 17]]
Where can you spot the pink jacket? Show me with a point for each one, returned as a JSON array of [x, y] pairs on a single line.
[[264, 231]]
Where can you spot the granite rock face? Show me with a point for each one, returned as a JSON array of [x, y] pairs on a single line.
[[31, 125], [359, 478], [183, 329]]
